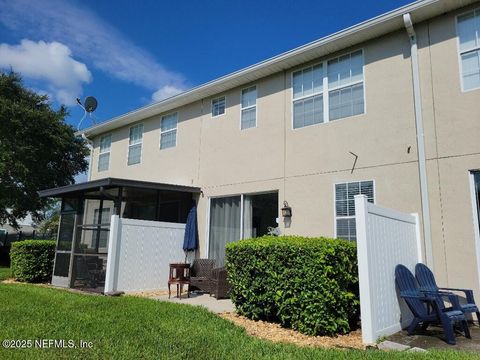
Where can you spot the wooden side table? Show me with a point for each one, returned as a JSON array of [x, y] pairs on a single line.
[[179, 275]]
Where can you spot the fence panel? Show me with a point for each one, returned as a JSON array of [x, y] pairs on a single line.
[[139, 253], [385, 238]]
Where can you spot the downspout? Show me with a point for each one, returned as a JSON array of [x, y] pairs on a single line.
[[90, 146], [422, 162]]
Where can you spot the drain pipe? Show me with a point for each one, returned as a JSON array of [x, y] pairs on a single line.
[[422, 162], [90, 146]]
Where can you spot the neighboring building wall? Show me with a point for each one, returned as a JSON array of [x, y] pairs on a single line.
[[304, 164], [452, 129]]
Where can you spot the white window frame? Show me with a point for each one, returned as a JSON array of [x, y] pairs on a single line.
[[130, 145], [225, 107], [335, 217], [167, 131], [325, 90], [100, 152], [248, 107], [460, 52], [476, 226]]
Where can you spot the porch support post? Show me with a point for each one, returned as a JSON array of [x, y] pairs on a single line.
[[112, 257]]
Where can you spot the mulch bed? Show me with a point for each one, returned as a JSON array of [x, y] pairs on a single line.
[[275, 333]]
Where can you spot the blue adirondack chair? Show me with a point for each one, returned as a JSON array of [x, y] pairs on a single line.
[[419, 304], [427, 283]]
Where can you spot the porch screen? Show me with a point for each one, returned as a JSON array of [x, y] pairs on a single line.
[[224, 226]]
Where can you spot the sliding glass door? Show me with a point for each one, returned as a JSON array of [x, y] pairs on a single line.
[[239, 217]]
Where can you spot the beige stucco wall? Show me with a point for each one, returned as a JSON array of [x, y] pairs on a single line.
[[304, 164]]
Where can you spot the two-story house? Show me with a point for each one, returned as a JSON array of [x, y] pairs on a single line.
[[388, 108]]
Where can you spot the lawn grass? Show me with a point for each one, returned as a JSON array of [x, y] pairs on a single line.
[[5, 273], [136, 328]]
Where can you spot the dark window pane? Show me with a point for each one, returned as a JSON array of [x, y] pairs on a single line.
[[65, 235], [62, 264]]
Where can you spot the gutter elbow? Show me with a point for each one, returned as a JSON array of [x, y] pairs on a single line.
[[407, 21]]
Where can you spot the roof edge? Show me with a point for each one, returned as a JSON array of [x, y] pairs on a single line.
[[161, 106]]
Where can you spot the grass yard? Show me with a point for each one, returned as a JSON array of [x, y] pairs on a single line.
[[5, 273], [136, 328]]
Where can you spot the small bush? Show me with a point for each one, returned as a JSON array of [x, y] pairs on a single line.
[[308, 284], [32, 260]]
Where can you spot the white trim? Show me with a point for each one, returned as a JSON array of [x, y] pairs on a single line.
[[224, 109], [335, 201], [249, 107], [460, 52], [167, 131], [475, 214], [325, 93], [242, 215], [207, 230], [141, 144]]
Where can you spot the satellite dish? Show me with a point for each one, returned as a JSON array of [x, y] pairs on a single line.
[[90, 104]]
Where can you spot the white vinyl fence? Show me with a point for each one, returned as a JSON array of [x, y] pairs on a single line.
[[385, 238], [139, 252]]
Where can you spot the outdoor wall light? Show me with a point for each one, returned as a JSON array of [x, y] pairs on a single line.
[[286, 210]]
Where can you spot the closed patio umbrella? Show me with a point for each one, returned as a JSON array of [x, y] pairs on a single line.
[[190, 241]]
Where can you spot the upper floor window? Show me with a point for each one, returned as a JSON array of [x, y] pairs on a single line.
[[329, 91], [345, 206], [468, 28], [168, 131], [218, 106], [135, 144], [249, 108], [104, 156]]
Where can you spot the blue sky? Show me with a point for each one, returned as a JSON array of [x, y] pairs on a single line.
[[128, 54]]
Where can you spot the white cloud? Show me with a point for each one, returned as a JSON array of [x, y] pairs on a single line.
[[165, 92], [90, 38], [50, 62]]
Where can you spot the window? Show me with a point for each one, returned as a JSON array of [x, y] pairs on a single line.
[[308, 96], [248, 108], [168, 131], [135, 144], [218, 106], [104, 157], [336, 85], [345, 206], [468, 28]]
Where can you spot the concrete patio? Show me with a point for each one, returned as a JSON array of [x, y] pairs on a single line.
[[201, 299], [433, 337]]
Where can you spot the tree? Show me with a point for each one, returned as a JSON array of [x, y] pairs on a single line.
[[38, 150]]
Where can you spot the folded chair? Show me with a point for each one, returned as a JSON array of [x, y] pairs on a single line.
[[419, 304], [427, 283]]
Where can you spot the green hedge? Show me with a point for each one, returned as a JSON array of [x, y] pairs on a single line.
[[32, 260], [308, 284]]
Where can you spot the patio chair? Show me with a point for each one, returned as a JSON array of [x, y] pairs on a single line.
[[427, 283], [220, 287], [419, 304], [201, 274]]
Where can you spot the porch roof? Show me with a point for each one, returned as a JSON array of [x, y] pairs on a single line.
[[108, 183]]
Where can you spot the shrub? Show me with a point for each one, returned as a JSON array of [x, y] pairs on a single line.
[[32, 260], [308, 284]]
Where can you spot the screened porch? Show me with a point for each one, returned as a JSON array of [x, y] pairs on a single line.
[[82, 245]]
